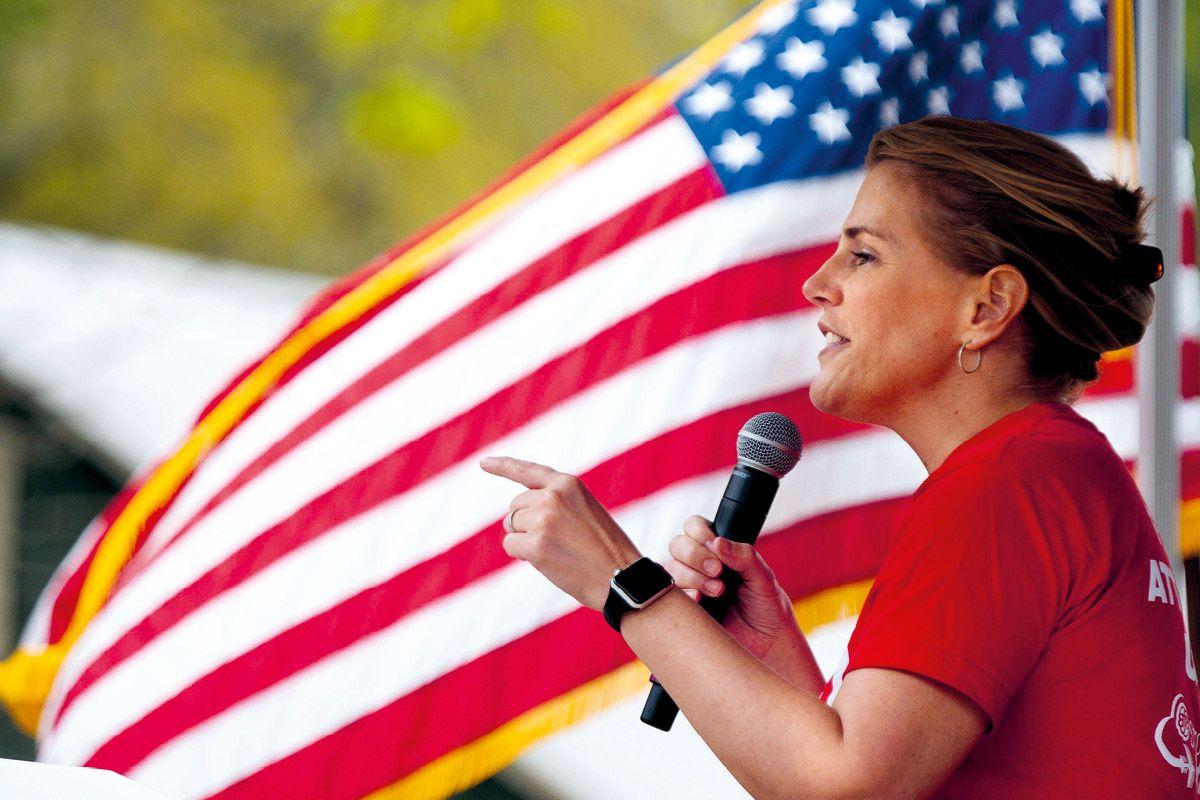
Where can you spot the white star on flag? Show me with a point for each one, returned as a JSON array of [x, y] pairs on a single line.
[[769, 104], [889, 112], [1006, 93], [892, 32], [948, 22], [1086, 10], [1005, 15], [801, 58], [776, 18], [1093, 85], [743, 58], [709, 99], [829, 123], [861, 77], [918, 67], [737, 150], [924, 4], [832, 15], [1046, 48], [939, 100], [971, 58]]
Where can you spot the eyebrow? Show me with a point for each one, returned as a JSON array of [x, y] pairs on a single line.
[[855, 231]]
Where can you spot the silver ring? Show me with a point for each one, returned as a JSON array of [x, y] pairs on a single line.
[[508, 522]]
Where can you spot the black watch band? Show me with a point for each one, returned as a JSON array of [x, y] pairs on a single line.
[[634, 587]]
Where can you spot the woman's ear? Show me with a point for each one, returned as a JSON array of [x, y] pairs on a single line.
[[1001, 294]]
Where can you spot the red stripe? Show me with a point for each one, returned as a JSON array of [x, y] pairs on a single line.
[[850, 544], [853, 535], [348, 283], [68, 596], [358, 277], [634, 474], [549, 662], [546, 663], [1117, 377], [571, 258], [768, 287], [1189, 475], [694, 449]]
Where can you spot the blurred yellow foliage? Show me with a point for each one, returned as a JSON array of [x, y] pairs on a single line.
[[307, 133], [403, 114], [302, 133]]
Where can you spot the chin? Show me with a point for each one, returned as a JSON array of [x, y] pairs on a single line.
[[823, 399], [839, 405]]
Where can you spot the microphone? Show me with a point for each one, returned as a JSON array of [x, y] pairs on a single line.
[[768, 447]]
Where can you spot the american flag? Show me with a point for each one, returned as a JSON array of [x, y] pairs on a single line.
[[309, 598]]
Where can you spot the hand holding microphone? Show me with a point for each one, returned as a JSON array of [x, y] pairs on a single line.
[[761, 614], [768, 447]]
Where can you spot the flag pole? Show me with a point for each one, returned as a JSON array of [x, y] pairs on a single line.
[[1159, 30]]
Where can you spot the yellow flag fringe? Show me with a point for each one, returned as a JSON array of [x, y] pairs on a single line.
[[27, 676]]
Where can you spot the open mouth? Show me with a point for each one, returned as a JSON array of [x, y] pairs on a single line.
[[833, 342]]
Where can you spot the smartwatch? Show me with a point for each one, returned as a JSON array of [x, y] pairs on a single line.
[[636, 586]]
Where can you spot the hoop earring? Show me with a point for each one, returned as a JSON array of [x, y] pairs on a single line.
[[978, 361]]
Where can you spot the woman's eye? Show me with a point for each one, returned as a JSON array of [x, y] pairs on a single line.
[[862, 258]]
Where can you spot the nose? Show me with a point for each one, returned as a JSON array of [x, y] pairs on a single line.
[[819, 289]]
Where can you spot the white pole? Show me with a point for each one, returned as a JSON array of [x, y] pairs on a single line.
[[1159, 58]]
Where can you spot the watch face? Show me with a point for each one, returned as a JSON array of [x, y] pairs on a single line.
[[642, 580]]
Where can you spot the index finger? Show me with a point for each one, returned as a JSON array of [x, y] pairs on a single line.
[[529, 474]]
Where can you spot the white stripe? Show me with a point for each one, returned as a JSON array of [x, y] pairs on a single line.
[[742, 362], [859, 451], [288, 482], [646, 520], [642, 166], [839, 673], [741, 228], [373, 672], [1117, 419], [1186, 292], [448, 633], [645, 164], [620, 178]]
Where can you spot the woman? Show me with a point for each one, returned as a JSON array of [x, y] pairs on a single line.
[[1022, 638]]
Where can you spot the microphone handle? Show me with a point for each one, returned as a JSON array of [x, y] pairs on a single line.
[[740, 517]]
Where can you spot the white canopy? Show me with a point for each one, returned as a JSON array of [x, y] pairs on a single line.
[[123, 343]]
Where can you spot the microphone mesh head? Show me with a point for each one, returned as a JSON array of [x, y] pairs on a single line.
[[769, 442]]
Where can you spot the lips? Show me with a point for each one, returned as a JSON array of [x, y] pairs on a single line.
[[831, 336], [833, 339]]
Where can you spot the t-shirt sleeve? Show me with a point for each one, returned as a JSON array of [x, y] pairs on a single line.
[[969, 593]]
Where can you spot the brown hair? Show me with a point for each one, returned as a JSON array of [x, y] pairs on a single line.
[[1001, 195]]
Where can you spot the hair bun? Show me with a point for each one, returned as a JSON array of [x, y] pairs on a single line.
[[1144, 263]]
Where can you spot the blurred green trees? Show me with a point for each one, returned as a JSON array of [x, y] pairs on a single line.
[[306, 133]]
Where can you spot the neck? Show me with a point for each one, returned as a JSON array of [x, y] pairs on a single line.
[[940, 420]]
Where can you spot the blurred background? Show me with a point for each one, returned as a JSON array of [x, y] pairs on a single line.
[[306, 135]]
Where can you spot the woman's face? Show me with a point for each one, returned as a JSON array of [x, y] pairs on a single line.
[[900, 306]]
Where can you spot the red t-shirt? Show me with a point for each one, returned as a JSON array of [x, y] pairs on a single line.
[[1028, 576]]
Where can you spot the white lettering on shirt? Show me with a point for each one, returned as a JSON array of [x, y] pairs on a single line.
[[1162, 584]]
